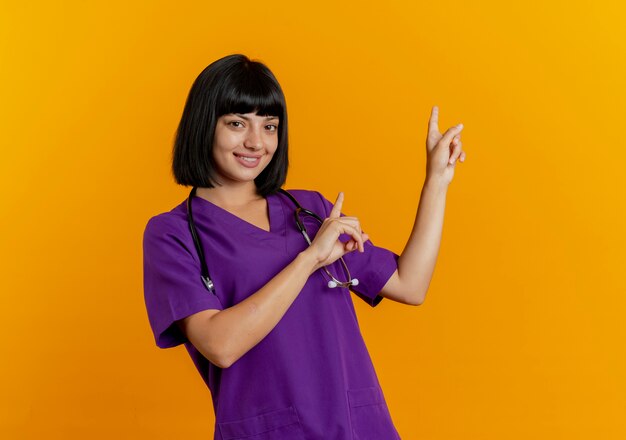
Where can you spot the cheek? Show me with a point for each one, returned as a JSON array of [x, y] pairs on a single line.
[[274, 146], [228, 141], [223, 152]]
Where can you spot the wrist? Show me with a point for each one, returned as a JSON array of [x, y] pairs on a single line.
[[309, 260], [437, 184]]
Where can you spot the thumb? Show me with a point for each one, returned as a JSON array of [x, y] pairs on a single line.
[[450, 134]]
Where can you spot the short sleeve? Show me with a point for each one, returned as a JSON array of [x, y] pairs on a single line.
[[173, 288], [373, 268]]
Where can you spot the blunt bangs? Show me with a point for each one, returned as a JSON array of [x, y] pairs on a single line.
[[233, 84], [250, 92]]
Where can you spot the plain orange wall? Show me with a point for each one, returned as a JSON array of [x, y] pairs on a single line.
[[522, 332]]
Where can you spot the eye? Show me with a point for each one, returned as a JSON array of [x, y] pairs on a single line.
[[273, 127], [235, 122]]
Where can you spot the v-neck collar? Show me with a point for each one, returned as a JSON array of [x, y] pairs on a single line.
[[276, 216]]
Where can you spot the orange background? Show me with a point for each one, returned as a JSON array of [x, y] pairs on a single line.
[[522, 332]]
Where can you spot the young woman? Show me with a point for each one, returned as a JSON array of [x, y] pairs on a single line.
[[255, 280]]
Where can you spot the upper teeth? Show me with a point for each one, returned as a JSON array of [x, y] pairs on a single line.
[[249, 159]]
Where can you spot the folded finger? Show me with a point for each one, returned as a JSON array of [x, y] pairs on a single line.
[[456, 152], [355, 226], [353, 232]]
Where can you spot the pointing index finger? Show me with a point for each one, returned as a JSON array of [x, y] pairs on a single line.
[[433, 122], [336, 211]]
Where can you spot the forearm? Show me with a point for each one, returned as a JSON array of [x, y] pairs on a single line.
[[417, 261], [242, 326]]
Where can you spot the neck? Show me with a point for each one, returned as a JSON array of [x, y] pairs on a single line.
[[230, 195]]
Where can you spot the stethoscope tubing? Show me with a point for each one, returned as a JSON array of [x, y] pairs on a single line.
[[206, 280]]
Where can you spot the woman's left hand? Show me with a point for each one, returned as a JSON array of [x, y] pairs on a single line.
[[443, 150]]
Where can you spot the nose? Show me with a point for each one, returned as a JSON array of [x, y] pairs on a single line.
[[253, 139]]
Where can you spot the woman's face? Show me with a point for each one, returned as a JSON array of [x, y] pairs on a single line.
[[244, 135]]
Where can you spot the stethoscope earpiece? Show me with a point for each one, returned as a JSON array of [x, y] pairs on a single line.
[[354, 282]]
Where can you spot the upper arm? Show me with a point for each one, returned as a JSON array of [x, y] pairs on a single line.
[[394, 291], [196, 329], [173, 288]]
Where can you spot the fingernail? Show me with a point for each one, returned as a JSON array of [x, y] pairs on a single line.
[[460, 126]]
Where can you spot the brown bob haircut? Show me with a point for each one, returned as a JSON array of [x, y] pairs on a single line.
[[232, 84]]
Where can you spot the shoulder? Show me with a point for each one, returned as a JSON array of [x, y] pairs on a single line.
[[172, 222], [166, 237]]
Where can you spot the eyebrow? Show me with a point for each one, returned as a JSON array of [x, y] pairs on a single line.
[[247, 118]]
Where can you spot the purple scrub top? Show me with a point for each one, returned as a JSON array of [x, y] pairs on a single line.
[[311, 377]]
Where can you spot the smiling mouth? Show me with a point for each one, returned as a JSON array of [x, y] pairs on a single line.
[[252, 160]]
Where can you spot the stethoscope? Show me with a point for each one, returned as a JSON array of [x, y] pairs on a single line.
[[208, 283]]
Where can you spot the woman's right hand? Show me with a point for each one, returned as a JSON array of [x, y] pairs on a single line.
[[326, 246]]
